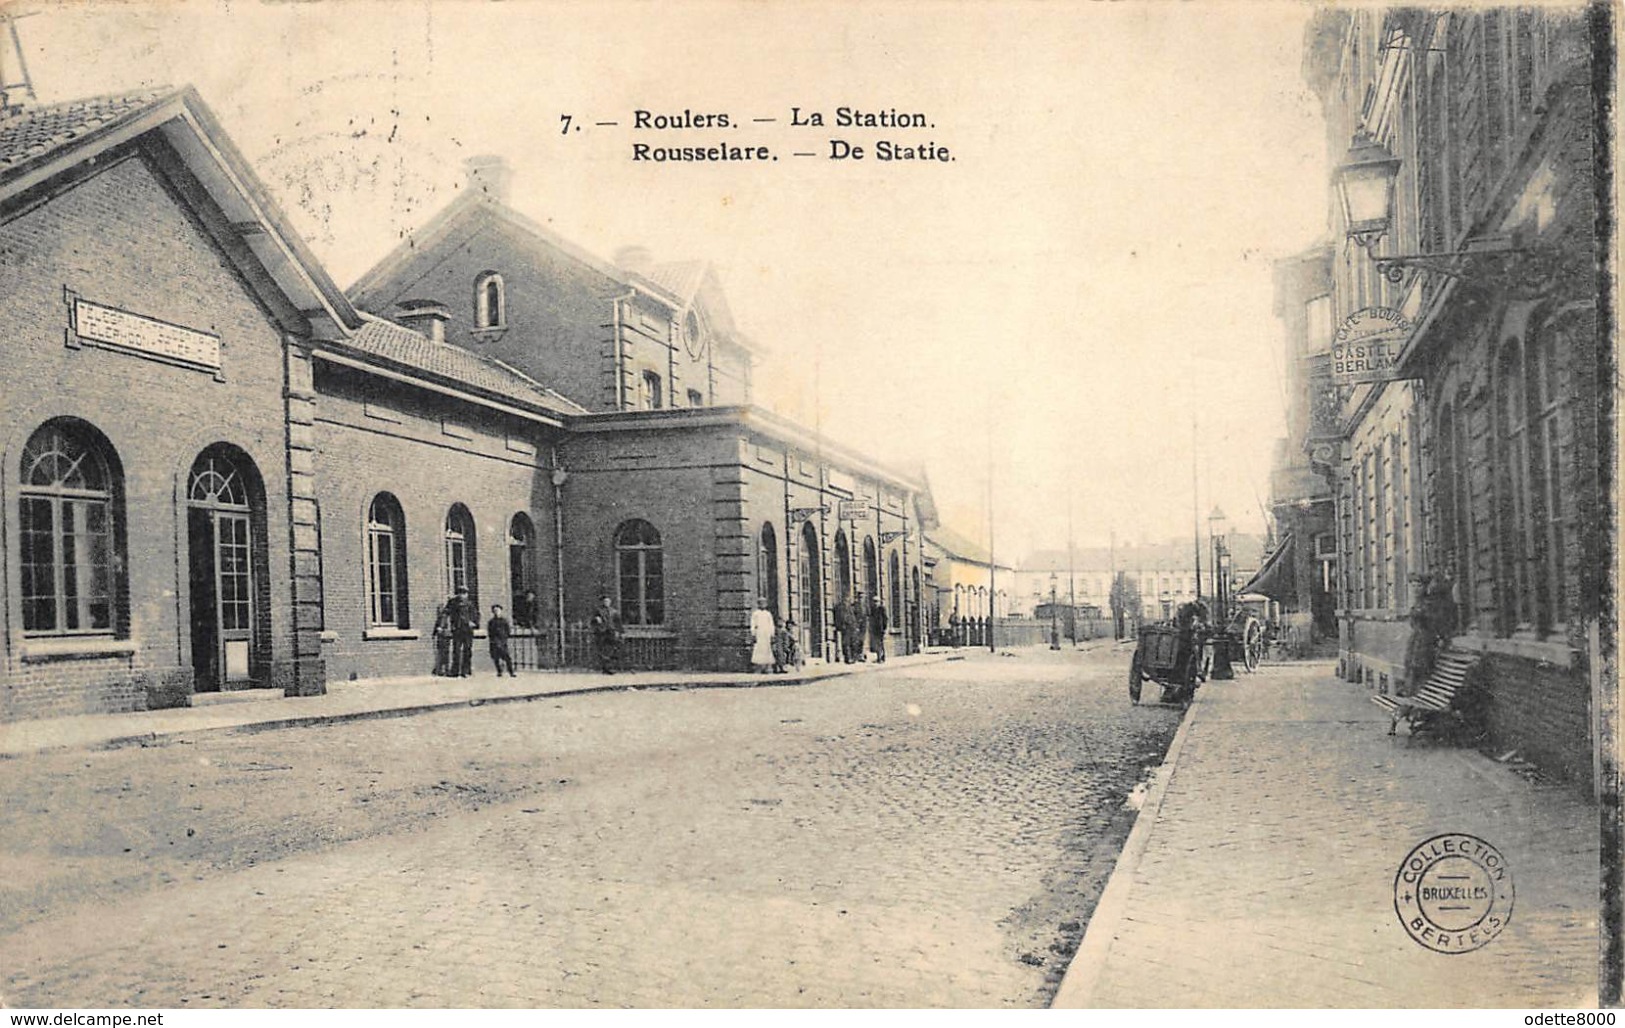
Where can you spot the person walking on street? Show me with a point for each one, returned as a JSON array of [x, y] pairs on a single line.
[[497, 631], [878, 623], [606, 635], [762, 628], [463, 619]]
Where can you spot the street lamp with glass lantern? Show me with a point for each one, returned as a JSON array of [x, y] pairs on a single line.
[[1365, 187], [1217, 525]]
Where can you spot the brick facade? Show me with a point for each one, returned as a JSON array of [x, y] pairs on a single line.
[[99, 235], [1497, 438], [321, 409]]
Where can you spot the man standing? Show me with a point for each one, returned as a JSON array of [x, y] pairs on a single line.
[[878, 623], [843, 629], [497, 631], [463, 619], [606, 635]]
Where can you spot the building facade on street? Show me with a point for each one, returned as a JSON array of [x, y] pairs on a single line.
[[1300, 574], [1164, 574], [221, 472], [1477, 456], [960, 575]]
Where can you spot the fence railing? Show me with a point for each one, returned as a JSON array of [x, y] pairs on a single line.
[[539, 648], [1016, 632]]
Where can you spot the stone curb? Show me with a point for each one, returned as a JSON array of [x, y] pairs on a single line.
[[380, 713], [1083, 973]]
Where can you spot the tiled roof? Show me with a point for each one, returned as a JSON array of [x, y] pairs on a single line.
[[959, 546], [401, 345], [679, 278], [32, 131]]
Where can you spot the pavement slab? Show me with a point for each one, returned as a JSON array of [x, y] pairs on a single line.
[[1266, 875]]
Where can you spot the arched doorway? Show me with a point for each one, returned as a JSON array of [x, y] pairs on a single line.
[[871, 575], [809, 574], [843, 567], [225, 530], [767, 570], [915, 615]]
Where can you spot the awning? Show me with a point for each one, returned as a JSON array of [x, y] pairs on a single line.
[[1276, 579]]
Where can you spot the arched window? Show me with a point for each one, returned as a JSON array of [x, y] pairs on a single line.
[[1550, 433], [522, 569], [640, 574], [462, 567], [69, 494], [490, 302], [386, 563], [767, 568], [843, 567], [1516, 592], [894, 576]]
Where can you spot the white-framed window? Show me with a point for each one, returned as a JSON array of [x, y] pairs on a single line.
[[386, 563], [69, 499], [490, 301], [462, 567], [640, 573]]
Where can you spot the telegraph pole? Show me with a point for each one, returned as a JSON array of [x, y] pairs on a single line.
[[992, 575], [1071, 575]]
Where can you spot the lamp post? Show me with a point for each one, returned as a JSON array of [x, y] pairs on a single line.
[[1216, 525], [1054, 628], [1364, 184]]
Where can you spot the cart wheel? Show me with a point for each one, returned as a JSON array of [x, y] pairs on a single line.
[[1253, 651], [1134, 678]]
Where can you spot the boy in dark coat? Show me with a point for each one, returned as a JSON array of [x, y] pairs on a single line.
[[497, 631]]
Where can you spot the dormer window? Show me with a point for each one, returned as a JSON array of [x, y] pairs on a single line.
[[490, 303]]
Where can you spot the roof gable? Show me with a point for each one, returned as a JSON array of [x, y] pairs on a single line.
[[464, 216], [40, 143]]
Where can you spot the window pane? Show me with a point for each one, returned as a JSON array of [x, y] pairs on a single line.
[[38, 566]]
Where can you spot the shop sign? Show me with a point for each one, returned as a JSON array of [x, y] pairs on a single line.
[[110, 326], [1367, 344]]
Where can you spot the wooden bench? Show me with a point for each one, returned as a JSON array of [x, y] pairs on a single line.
[[1450, 670]]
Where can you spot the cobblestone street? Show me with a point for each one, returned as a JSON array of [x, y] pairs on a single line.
[[926, 836]]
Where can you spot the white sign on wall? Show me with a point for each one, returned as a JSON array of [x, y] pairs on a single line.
[[853, 510], [109, 325], [1366, 346]]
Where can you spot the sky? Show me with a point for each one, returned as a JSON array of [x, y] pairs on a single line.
[[1056, 306]]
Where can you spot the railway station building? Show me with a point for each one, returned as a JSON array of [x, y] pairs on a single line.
[[220, 471]]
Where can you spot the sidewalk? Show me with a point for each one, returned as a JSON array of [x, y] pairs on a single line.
[[390, 697], [1261, 871]]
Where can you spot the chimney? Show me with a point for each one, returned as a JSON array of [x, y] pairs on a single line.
[[490, 175], [427, 317], [635, 258]]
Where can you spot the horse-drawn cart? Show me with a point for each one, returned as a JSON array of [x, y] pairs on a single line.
[[1170, 656], [1180, 655]]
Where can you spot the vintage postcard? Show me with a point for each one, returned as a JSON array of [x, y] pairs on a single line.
[[823, 505]]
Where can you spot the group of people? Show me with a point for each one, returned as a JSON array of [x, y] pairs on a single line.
[[850, 625], [774, 646], [455, 623]]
